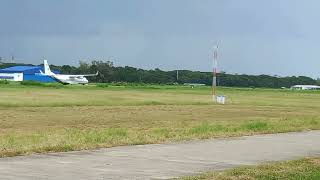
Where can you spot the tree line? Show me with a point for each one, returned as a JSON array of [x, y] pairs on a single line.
[[110, 73]]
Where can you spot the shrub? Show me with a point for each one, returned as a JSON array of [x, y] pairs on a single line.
[[35, 83], [31, 83], [4, 82], [102, 85]]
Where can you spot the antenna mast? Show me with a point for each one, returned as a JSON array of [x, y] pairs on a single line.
[[12, 58], [214, 73], [177, 75]]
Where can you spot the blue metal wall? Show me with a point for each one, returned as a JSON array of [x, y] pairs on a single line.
[[30, 73], [39, 78]]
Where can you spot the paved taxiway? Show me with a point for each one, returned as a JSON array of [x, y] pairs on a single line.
[[162, 161]]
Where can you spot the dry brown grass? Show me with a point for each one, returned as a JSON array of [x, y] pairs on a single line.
[[37, 119], [152, 116]]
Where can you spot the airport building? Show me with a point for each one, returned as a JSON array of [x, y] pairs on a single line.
[[25, 73]]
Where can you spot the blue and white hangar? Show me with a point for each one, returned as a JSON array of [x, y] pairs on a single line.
[[25, 73]]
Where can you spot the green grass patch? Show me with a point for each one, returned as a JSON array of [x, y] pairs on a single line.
[[307, 169], [256, 126], [206, 128]]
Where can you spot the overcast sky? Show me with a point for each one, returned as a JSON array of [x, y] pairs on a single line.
[[276, 37]]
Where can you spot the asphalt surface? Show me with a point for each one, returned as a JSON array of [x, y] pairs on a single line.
[[162, 161]]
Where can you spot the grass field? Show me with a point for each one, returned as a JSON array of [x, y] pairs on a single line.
[[65, 118], [307, 169]]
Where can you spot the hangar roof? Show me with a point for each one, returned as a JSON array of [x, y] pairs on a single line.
[[20, 68], [24, 69]]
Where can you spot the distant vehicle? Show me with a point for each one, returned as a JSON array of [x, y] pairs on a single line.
[[65, 78], [192, 85]]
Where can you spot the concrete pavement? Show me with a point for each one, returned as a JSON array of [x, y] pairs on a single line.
[[162, 161]]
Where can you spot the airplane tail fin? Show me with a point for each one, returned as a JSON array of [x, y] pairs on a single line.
[[47, 70]]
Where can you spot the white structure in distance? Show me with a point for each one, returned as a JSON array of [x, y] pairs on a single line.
[[305, 87]]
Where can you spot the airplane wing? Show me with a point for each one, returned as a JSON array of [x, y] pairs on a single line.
[[84, 75], [96, 74]]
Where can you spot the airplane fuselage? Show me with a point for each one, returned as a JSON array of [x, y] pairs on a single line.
[[67, 79]]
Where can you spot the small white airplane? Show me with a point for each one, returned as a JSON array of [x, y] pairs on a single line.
[[65, 78]]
